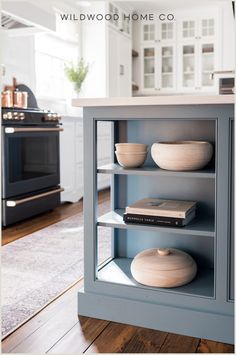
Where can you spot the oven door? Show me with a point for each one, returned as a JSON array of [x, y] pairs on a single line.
[[30, 159]]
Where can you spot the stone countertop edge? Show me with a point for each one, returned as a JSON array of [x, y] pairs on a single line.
[[154, 100]]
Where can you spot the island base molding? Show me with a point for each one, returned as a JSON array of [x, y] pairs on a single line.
[[177, 320]]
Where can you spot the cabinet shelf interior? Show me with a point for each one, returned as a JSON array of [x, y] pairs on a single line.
[[118, 271]]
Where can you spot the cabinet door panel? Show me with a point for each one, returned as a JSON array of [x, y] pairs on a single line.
[[207, 64], [167, 67], [231, 195], [207, 27], [188, 29], [149, 67], [167, 31], [148, 32], [124, 66], [188, 52]]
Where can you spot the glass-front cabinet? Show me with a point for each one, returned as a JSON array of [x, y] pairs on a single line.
[[149, 68], [198, 54], [149, 32], [188, 65], [180, 55], [167, 67], [158, 57], [120, 20], [207, 63]]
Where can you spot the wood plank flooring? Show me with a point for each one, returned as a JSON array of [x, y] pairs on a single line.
[[58, 329]]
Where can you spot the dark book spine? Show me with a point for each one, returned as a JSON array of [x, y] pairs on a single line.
[[153, 220]]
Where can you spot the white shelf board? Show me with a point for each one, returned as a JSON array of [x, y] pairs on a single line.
[[116, 169]]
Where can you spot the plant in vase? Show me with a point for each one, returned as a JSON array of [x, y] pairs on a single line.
[[77, 73]]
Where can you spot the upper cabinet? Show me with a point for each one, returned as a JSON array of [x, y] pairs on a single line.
[[197, 54], [180, 55], [158, 55], [119, 51], [120, 19]]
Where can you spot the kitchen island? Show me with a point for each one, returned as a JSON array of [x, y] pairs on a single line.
[[204, 307]]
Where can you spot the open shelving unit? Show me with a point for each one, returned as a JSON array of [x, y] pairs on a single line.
[[205, 238], [200, 232]]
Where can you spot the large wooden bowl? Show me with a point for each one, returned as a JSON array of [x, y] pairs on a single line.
[[163, 267], [182, 155]]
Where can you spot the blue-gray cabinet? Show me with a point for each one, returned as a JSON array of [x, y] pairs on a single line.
[[204, 307]]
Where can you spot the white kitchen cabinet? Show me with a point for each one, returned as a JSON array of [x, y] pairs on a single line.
[[71, 157], [158, 57], [123, 21], [110, 71], [198, 54], [149, 68], [120, 64], [180, 55]]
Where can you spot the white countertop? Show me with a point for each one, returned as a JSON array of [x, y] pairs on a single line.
[[155, 100]]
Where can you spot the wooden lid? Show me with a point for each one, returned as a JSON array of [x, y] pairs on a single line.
[[165, 259]]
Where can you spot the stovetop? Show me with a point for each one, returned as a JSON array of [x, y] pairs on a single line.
[[29, 116]]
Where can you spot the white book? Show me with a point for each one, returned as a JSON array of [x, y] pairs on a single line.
[[162, 208]]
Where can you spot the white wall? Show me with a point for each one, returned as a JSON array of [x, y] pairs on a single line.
[[18, 59], [228, 38], [93, 34]]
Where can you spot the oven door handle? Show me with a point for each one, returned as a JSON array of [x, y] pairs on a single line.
[[32, 129], [15, 203]]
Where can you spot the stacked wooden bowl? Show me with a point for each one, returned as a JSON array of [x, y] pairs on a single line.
[[131, 155]]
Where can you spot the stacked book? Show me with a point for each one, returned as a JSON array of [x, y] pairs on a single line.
[[155, 211]]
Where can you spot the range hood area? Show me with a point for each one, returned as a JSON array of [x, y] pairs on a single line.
[[27, 16]]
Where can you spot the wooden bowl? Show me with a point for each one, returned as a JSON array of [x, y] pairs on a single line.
[[182, 155], [131, 147], [131, 160], [163, 267]]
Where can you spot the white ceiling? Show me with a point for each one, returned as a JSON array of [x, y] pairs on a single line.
[[145, 5], [140, 6]]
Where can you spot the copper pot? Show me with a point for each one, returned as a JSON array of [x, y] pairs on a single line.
[[20, 99], [7, 98]]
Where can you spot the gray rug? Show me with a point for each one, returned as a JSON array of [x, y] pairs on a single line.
[[38, 267]]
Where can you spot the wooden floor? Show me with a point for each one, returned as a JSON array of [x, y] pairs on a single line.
[[58, 329]]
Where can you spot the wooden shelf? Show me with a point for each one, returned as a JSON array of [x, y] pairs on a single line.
[[135, 87], [116, 169], [134, 53], [117, 271], [200, 226]]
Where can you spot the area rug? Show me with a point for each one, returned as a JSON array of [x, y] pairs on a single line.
[[40, 266]]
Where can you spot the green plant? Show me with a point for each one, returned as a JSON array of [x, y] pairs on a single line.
[[77, 73]]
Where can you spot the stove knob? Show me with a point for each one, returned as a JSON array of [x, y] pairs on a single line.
[[58, 117], [15, 116], [49, 117], [54, 116], [4, 116], [9, 115], [22, 116]]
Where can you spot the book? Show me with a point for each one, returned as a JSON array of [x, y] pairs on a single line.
[[161, 208], [159, 221]]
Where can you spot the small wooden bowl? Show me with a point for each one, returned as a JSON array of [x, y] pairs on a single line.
[[163, 267], [131, 147], [131, 160], [182, 155]]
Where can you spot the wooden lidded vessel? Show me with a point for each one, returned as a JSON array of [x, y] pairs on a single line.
[[163, 267]]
